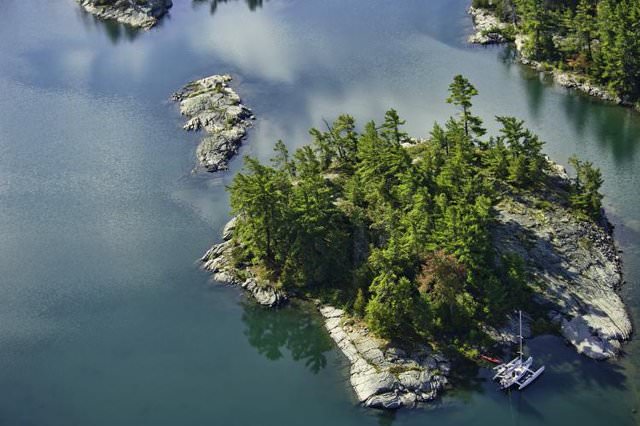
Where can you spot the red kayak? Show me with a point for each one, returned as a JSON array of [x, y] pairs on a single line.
[[493, 360]]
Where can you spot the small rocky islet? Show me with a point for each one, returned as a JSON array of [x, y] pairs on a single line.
[[136, 13], [577, 274], [211, 105]]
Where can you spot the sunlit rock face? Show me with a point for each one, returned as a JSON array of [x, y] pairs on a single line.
[[137, 13], [213, 106], [575, 266]]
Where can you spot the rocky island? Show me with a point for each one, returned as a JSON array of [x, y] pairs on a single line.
[[582, 45], [211, 105], [417, 251], [136, 13]]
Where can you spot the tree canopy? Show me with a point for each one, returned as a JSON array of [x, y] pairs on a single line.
[[598, 38], [394, 228]]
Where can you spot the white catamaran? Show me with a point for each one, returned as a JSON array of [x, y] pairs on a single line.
[[517, 371]]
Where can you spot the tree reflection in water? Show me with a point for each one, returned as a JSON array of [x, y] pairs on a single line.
[[252, 4], [296, 329]]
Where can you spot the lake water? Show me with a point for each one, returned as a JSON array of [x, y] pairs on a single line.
[[105, 318]]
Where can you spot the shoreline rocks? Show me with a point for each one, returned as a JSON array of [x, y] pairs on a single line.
[[577, 272], [488, 29], [219, 261], [381, 375], [211, 105], [137, 13]]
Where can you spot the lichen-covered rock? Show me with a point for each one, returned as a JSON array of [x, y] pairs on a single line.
[[575, 266], [211, 105], [382, 376], [137, 13]]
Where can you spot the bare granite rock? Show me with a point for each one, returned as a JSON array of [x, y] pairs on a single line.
[[576, 270], [488, 28], [211, 105], [383, 376], [137, 13]]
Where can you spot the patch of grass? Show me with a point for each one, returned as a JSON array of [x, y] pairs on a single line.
[[543, 204]]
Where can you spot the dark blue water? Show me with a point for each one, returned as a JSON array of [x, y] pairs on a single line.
[[105, 317]]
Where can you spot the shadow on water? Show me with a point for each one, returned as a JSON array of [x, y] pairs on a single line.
[[535, 83], [567, 371], [213, 4], [616, 128], [296, 329]]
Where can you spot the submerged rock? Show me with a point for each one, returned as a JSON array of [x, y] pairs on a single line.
[[137, 13], [575, 268], [383, 376], [211, 105]]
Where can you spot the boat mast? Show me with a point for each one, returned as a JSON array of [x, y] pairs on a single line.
[[520, 316]]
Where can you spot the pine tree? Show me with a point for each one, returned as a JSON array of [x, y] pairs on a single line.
[[585, 195], [395, 309], [461, 91]]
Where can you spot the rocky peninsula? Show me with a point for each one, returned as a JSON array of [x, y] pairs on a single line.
[[489, 29], [211, 105], [136, 13], [574, 263]]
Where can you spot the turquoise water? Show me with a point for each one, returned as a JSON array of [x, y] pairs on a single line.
[[105, 317]]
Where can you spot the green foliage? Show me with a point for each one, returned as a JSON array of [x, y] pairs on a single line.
[[360, 304], [516, 155], [395, 309], [460, 94], [356, 210], [600, 38], [585, 195]]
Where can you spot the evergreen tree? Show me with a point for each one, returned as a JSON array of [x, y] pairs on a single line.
[[585, 196], [395, 309], [460, 94]]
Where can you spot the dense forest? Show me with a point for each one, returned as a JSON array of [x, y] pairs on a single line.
[[396, 229], [598, 38]]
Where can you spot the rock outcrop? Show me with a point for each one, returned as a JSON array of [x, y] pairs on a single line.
[[211, 105], [575, 266], [488, 28], [383, 376], [219, 260], [137, 13]]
